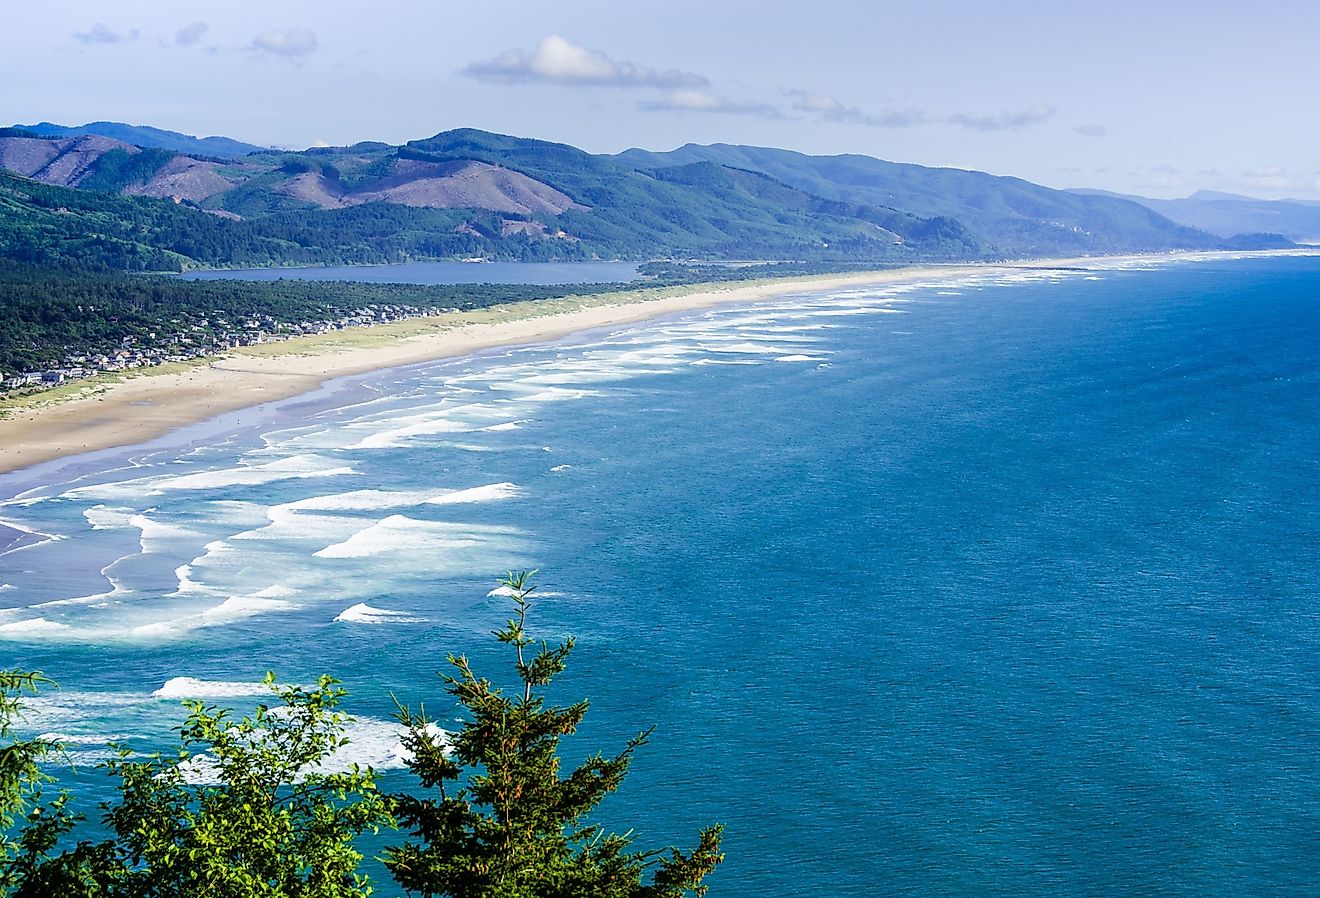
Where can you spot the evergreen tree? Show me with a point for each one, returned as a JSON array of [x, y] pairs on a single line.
[[513, 827]]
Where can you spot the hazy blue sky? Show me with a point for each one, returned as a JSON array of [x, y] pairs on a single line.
[[1159, 97]]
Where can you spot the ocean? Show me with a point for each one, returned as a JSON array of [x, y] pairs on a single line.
[[996, 586]]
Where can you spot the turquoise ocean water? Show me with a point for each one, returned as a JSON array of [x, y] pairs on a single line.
[[997, 586]]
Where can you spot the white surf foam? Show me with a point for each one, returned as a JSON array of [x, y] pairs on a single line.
[[104, 517], [508, 593], [399, 436], [362, 613], [492, 492], [402, 534], [357, 500], [296, 467], [33, 628], [155, 535], [372, 742], [745, 348], [379, 744], [191, 687]]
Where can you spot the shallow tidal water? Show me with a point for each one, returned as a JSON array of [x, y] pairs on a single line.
[[997, 586]]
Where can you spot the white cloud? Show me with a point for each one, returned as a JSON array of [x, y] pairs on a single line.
[[705, 101], [100, 34], [292, 43], [1090, 130], [1004, 121], [557, 60], [191, 34]]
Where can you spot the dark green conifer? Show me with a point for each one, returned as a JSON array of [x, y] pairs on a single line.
[[499, 820]]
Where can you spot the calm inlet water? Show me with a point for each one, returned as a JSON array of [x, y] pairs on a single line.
[[996, 587]]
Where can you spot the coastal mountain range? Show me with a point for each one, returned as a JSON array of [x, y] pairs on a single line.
[[148, 197], [1226, 214]]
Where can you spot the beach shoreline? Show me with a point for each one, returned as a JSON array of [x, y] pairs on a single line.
[[110, 414]]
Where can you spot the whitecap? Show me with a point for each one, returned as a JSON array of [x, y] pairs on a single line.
[[800, 358], [395, 437], [362, 613], [507, 592], [356, 500], [32, 627], [492, 492], [84, 738], [549, 394], [103, 517], [296, 467], [399, 533], [191, 687], [745, 348], [155, 533]]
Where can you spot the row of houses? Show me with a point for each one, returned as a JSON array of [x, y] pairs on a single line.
[[201, 338]]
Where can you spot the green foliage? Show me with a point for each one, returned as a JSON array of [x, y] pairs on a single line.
[[255, 807], [513, 827], [712, 212], [21, 777], [118, 169], [46, 314], [87, 229], [1007, 217], [705, 210], [246, 809]]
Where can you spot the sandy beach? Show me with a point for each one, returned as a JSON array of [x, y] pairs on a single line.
[[110, 413]]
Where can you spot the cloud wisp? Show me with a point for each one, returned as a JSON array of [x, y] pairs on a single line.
[[827, 108], [557, 60], [1091, 130], [1004, 121], [291, 43], [100, 34], [831, 109], [705, 101], [190, 35]]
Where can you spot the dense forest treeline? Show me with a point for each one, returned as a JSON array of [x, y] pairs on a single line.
[[53, 226], [48, 314]]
